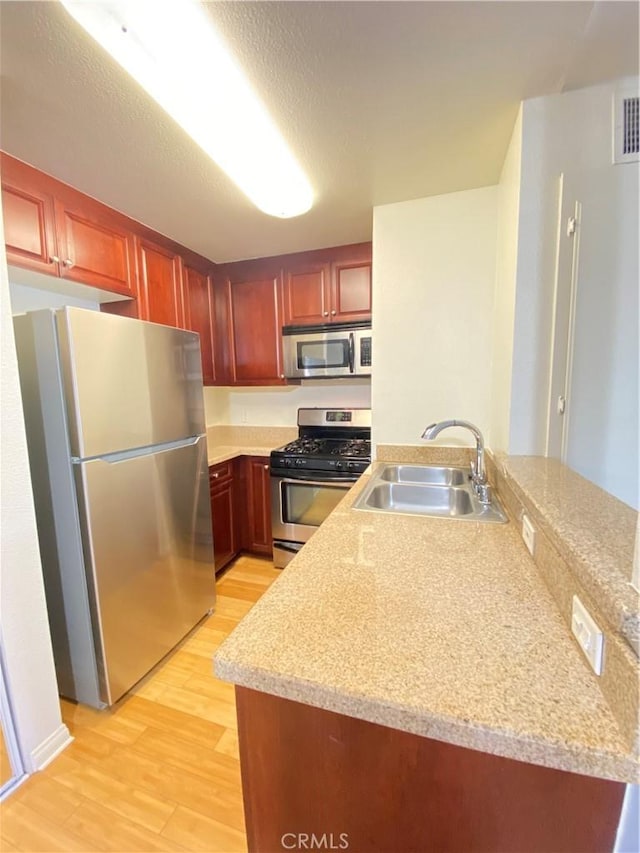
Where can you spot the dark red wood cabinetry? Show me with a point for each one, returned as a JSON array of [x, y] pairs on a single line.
[[29, 228], [222, 488], [240, 508], [199, 317], [307, 293], [253, 313], [259, 539], [328, 285], [160, 284], [254, 299], [351, 291], [237, 309], [52, 229], [93, 248], [377, 789]]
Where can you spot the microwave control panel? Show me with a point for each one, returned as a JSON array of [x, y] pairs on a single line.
[[365, 352]]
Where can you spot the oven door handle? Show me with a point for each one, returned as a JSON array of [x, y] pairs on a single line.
[[352, 357], [312, 480]]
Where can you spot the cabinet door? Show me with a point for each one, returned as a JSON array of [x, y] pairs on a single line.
[[307, 294], [255, 331], [259, 509], [351, 291], [29, 231], [94, 248], [198, 305], [161, 284], [223, 520]]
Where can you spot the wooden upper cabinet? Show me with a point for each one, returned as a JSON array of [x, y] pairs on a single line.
[[29, 228], [198, 305], [254, 330], [351, 291], [307, 294], [54, 229], [160, 284], [328, 285], [94, 249]]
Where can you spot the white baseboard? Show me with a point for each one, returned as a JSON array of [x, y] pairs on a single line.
[[45, 752], [11, 786]]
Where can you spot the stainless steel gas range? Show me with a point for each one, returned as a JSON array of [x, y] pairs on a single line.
[[310, 475]]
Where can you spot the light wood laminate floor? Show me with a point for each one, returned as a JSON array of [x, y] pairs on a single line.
[[160, 770]]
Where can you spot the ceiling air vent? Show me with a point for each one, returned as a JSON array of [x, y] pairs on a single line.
[[626, 128]]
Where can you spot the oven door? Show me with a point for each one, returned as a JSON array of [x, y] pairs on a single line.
[[299, 504]]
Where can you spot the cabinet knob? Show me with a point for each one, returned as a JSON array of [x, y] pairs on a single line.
[[266, 467], [68, 263], [54, 259], [333, 313], [216, 474], [325, 314], [282, 376]]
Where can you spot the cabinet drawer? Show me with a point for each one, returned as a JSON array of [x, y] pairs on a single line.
[[220, 473]]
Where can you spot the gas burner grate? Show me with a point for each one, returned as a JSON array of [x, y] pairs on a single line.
[[355, 447]]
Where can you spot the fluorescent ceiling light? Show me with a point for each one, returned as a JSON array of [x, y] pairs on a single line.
[[172, 49]]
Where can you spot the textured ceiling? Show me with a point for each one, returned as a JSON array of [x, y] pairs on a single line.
[[381, 102]]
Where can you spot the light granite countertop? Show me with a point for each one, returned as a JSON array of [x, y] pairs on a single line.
[[222, 453], [432, 626], [227, 442]]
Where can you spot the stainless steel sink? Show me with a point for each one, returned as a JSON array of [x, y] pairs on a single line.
[[427, 499], [424, 474], [428, 490]]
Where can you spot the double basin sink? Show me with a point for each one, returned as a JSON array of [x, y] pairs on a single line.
[[427, 490]]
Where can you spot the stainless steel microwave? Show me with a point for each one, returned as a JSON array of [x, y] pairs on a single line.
[[327, 351]]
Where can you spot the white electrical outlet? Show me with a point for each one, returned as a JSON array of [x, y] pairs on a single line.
[[528, 533], [588, 635]]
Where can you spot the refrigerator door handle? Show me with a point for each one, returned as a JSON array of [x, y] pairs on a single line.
[[125, 455]]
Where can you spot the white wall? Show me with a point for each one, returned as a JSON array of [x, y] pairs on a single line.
[[571, 134], [279, 406], [25, 641], [505, 290], [433, 288]]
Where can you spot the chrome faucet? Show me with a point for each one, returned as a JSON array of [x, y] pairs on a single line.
[[478, 473]]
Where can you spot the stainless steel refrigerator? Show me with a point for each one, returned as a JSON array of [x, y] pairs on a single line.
[[117, 446]]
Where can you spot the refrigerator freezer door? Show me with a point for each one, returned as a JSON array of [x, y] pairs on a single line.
[[149, 556], [128, 384]]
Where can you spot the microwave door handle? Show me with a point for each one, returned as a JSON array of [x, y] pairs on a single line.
[[351, 353]]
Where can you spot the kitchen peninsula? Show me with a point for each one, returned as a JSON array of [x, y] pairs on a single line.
[[410, 682]]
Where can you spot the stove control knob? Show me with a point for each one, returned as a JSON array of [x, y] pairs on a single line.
[[299, 462], [287, 462], [339, 465]]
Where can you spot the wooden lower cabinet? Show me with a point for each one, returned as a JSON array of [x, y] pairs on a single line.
[[240, 508], [366, 787], [259, 539], [222, 488]]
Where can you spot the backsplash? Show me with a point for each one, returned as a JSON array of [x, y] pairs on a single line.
[[591, 565], [248, 436], [279, 406]]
